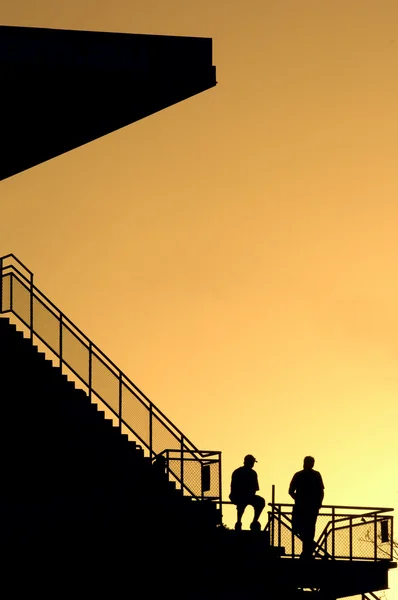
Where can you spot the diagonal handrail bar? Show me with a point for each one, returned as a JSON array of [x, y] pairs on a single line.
[[100, 352], [156, 417]]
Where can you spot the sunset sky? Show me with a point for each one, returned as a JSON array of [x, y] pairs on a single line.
[[236, 254]]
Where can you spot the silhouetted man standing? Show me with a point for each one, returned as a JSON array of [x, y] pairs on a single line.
[[306, 488], [244, 485]]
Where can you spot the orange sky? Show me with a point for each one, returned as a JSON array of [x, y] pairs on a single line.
[[236, 254]]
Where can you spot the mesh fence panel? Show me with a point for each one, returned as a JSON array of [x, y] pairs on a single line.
[[323, 527], [105, 383], [214, 479], [361, 546], [20, 300], [285, 538], [162, 438], [175, 471], [192, 474], [135, 414], [75, 353], [46, 325], [362, 539], [6, 303]]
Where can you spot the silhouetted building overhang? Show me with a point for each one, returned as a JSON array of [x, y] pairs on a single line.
[[61, 89]]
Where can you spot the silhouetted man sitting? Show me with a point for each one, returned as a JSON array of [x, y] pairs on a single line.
[[306, 488], [244, 485]]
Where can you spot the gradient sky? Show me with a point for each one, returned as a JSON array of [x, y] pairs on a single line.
[[236, 254]]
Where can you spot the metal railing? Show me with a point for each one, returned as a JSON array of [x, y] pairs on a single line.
[[194, 472], [342, 532], [200, 468]]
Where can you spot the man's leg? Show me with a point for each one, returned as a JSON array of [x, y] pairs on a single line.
[[309, 533], [240, 509], [258, 504]]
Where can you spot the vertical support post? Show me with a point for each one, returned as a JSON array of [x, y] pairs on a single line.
[[350, 536], [219, 483], [182, 463], [326, 544], [391, 538], [31, 306], [375, 535], [333, 530], [150, 429], [1, 285], [120, 400], [279, 525], [293, 544], [273, 515], [90, 370], [60, 340]]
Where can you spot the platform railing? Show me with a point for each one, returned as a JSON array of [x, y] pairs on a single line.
[[342, 532], [103, 381]]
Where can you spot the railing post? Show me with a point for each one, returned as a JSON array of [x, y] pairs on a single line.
[[1, 285], [121, 401], [150, 429], [350, 536], [273, 515], [31, 306], [333, 530], [375, 536], [293, 543], [279, 526], [60, 341], [90, 370], [219, 481], [182, 463], [392, 538], [326, 541]]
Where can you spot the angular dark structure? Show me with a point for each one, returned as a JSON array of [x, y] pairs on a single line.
[[62, 89]]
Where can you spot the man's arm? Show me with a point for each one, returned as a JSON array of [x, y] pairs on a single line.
[[233, 481], [321, 490], [256, 487], [292, 488]]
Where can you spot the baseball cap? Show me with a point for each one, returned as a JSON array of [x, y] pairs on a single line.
[[250, 457]]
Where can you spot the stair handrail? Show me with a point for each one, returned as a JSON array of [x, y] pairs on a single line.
[[185, 444]]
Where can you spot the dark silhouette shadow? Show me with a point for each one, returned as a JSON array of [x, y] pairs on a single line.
[[244, 485], [307, 490], [69, 71], [84, 506]]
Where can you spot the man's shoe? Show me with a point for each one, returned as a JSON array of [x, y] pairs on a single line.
[[238, 526]]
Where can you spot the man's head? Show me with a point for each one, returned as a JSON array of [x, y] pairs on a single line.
[[249, 461], [309, 462]]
